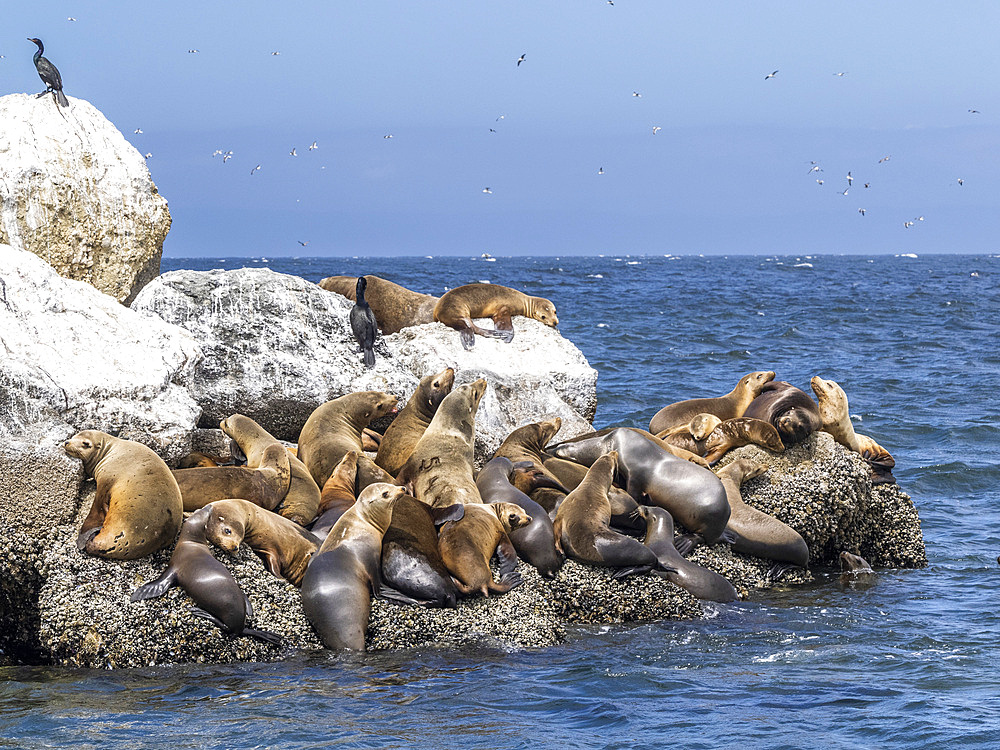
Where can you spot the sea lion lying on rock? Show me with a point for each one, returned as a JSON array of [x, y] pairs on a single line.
[[457, 308], [395, 306], [730, 406], [467, 546], [790, 410]]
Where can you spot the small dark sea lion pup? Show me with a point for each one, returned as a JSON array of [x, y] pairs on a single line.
[[218, 597], [459, 306], [363, 323]]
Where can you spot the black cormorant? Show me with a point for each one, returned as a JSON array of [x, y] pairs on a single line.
[[363, 323], [49, 75]]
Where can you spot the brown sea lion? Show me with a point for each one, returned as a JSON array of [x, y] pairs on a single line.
[[338, 494], [370, 440], [411, 561], [701, 425], [855, 571], [334, 428], [757, 533], [467, 546], [582, 526], [344, 573], [302, 499], [409, 425], [283, 545], [693, 495], [395, 307], [369, 473], [730, 406], [528, 443], [623, 505], [836, 418], [218, 597], [440, 468], [789, 409], [701, 582], [199, 460], [459, 306], [534, 542], [138, 507], [733, 433]]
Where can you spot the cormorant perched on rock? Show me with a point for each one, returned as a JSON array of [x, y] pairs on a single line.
[[49, 75], [363, 323]]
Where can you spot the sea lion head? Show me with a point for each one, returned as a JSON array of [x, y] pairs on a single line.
[[224, 529], [745, 469], [702, 425], [544, 311], [511, 516], [88, 446], [438, 386], [854, 563], [376, 502], [793, 426], [754, 382], [474, 393], [379, 404], [529, 475], [831, 398]]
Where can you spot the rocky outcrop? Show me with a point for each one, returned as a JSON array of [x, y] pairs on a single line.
[[277, 346], [76, 193]]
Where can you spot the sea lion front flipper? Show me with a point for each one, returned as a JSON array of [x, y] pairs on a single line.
[[686, 543], [468, 338], [503, 327], [441, 516], [714, 456], [265, 636], [155, 588], [86, 537], [633, 571], [728, 536], [271, 562]]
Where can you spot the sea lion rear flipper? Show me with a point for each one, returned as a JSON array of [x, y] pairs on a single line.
[[395, 595], [199, 612], [155, 588], [441, 516], [776, 571], [686, 543], [507, 557], [265, 636], [633, 571]]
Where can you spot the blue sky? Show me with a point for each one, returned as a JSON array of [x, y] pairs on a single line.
[[728, 172]]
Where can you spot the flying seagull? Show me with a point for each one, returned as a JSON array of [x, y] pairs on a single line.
[[656, 129], [303, 243], [771, 75], [487, 190], [637, 94], [975, 112], [884, 158], [293, 152], [137, 131], [819, 182], [600, 171], [861, 211], [275, 53], [255, 169], [148, 156], [313, 147], [387, 136], [850, 180], [841, 75], [961, 181], [520, 60], [192, 51]]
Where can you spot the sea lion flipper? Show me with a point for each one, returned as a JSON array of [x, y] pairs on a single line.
[[441, 516], [155, 588], [199, 612], [86, 537], [265, 636], [686, 543], [468, 338], [395, 595], [728, 536], [633, 571], [271, 561], [507, 556], [776, 571]]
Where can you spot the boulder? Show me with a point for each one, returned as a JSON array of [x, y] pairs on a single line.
[[76, 193], [277, 346]]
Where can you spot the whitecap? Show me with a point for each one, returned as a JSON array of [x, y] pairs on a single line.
[[803, 265], [485, 281], [632, 263], [907, 255], [602, 325], [595, 276]]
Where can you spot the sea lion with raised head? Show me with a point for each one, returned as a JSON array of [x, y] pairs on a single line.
[[623, 505], [693, 495], [344, 573], [218, 596], [395, 306], [410, 424], [789, 409], [527, 443], [467, 546], [283, 545], [701, 582], [757, 533], [836, 418], [138, 507], [335, 428], [855, 571], [582, 525], [730, 406], [338, 494], [459, 306], [440, 468], [535, 542]]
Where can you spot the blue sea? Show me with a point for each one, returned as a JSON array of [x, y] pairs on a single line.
[[909, 662]]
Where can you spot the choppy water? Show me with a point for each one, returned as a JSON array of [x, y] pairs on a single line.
[[910, 661]]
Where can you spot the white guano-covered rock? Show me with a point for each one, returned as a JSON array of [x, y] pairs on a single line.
[[72, 358], [277, 346], [76, 193]]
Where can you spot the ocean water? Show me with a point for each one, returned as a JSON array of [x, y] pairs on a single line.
[[909, 661]]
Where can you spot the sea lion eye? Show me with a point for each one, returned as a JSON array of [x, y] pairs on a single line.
[[513, 517], [227, 531]]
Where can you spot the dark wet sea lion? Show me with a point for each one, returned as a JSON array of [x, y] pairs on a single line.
[[408, 427], [535, 542], [344, 573], [701, 582], [757, 533], [730, 406], [138, 507], [335, 428], [467, 545], [411, 560], [218, 597], [395, 307], [440, 468], [850, 563], [582, 526], [693, 495], [338, 494], [459, 306], [363, 323], [283, 545], [789, 409]]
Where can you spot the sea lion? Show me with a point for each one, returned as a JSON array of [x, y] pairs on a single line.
[[370, 440], [733, 433], [693, 495], [363, 323], [582, 526], [757, 533], [701, 582], [440, 468], [836, 418], [218, 597], [459, 306], [528, 443], [467, 546], [409, 425], [338, 494], [411, 561], [138, 507], [334, 428], [855, 571], [199, 460], [369, 473], [535, 542], [789, 409], [344, 573], [730, 406], [283, 545], [701, 425], [623, 505], [302, 499], [395, 307]]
